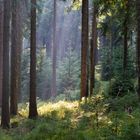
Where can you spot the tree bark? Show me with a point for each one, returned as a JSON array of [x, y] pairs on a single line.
[[54, 54], [93, 49], [32, 101], [125, 46], [138, 44], [16, 44], [1, 50], [5, 118], [84, 50], [125, 59]]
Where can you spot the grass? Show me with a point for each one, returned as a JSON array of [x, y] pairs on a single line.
[[76, 121]]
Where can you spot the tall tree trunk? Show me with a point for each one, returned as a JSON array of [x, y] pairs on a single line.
[[15, 55], [125, 46], [125, 59], [138, 44], [54, 53], [93, 49], [5, 118], [84, 51], [32, 101], [1, 49]]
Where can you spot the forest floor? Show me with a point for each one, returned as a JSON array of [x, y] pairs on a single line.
[[98, 119]]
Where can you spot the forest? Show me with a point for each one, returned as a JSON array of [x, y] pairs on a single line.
[[69, 69]]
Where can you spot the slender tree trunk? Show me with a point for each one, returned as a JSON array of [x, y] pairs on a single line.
[[88, 74], [125, 59], [138, 44], [5, 117], [84, 51], [125, 46], [19, 53], [15, 56], [111, 52], [1, 50], [93, 49], [54, 54], [32, 101]]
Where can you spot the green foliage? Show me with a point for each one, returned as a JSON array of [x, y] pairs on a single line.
[[99, 118], [106, 71], [70, 95], [25, 71], [117, 63], [121, 87], [114, 67], [123, 103], [3, 136], [131, 130], [43, 74], [69, 73]]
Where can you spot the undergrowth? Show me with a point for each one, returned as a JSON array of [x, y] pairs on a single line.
[[99, 118]]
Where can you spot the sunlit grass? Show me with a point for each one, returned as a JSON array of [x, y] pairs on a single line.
[[48, 107], [65, 120]]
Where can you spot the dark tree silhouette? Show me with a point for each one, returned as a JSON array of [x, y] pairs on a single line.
[[84, 51], [5, 118], [125, 60], [93, 49], [138, 43], [1, 49], [32, 101], [16, 43]]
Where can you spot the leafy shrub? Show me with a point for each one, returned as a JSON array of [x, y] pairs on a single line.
[[72, 95], [4, 136], [122, 103], [121, 87]]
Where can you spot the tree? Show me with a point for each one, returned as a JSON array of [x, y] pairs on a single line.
[[16, 43], [5, 118], [32, 101], [1, 48], [84, 51], [126, 20], [54, 54], [138, 44], [69, 71], [93, 48]]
